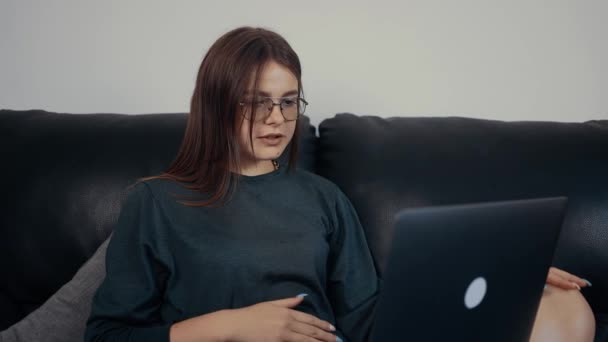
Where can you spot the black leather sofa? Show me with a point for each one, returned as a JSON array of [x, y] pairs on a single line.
[[63, 180]]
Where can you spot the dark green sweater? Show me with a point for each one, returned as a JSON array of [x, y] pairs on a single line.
[[282, 234]]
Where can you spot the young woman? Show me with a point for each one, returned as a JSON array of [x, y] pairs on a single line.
[[232, 243]]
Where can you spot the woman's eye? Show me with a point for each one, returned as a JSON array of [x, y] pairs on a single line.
[[289, 102]]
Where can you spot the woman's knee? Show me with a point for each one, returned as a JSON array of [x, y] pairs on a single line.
[[563, 315]]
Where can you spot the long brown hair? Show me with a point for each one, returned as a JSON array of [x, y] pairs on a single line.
[[210, 143]]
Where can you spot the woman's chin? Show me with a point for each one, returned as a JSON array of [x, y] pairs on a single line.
[[268, 152]]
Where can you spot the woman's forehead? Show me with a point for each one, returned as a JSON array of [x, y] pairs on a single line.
[[275, 80]]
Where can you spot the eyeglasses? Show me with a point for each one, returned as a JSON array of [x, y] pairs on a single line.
[[291, 107]]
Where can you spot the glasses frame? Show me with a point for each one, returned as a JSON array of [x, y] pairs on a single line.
[[280, 104]]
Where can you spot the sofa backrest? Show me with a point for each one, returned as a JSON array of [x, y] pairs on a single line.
[[384, 165]]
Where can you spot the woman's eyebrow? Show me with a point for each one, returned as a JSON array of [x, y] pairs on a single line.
[[267, 94]]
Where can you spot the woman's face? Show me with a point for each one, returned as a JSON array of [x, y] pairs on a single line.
[[275, 81]]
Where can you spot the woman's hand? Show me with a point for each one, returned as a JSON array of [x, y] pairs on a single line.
[[267, 321], [276, 321], [565, 280]]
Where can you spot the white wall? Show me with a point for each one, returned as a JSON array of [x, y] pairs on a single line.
[[507, 60]]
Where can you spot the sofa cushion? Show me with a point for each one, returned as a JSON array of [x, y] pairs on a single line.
[[63, 317]]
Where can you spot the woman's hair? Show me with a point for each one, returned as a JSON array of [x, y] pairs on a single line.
[[210, 145]]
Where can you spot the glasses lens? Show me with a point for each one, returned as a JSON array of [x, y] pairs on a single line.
[[290, 109], [261, 107]]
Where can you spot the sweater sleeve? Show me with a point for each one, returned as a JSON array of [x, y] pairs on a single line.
[[353, 283], [126, 306]]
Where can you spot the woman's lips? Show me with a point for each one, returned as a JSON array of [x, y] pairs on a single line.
[[272, 139]]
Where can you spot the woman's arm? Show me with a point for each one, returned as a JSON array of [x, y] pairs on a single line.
[[127, 304], [212, 327], [353, 282]]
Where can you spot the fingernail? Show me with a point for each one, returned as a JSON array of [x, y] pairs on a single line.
[[588, 282], [302, 295], [338, 339], [332, 328], [576, 285], [545, 286]]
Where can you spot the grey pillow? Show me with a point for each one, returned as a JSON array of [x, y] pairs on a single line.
[[64, 315]]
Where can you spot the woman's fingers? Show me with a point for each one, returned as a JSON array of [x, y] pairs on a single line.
[[311, 326], [269, 321], [312, 331], [302, 326], [557, 280], [297, 337], [287, 302], [311, 320], [569, 277], [564, 279]]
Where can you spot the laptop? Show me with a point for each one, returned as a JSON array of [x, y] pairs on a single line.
[[472, 272]]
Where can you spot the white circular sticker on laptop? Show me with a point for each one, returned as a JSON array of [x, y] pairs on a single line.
[[475, 293]]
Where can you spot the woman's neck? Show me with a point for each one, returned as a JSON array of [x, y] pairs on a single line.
[[256, 169]]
